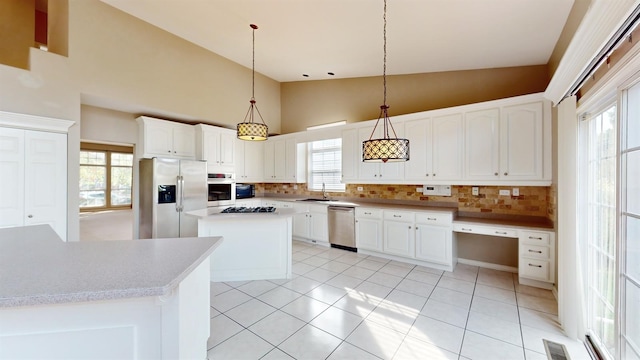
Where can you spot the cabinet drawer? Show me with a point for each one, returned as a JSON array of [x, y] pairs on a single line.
[[534, 269], [535, 238], [485, 230], [398, 215], [534, 251], [317, 208], [368, 213], [433, 218]]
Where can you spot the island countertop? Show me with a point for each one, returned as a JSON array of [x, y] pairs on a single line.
[[37, 267], [215, 213]]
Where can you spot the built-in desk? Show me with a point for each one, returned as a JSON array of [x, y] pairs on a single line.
[[535, 246]]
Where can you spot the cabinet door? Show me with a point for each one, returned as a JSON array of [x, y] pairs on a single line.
[[301, 225], [254, 167], [210, 150], [446, 144], [46, 180], [294, 165], [433, 243], [350, 156], [398, 238], [280, 160], [184, 141], [369, 234], [482, 145], [158, 139], [521, 139], [378, 171], [318, 227], [12, 177], [419, 166], [269, 161], [227, 157]]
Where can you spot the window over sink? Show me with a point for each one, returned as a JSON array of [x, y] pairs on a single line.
[[325, 165]]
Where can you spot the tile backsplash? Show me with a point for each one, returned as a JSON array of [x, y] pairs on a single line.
[[536, 201]]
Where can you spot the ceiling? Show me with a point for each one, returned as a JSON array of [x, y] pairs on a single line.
[[345, 37]]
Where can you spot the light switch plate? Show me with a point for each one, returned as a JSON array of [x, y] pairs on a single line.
[[515, 192], [360, 188], [505, 193], [474, 191]]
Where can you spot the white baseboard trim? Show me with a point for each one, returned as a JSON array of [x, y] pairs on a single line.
[[554, 291], [487, 265]]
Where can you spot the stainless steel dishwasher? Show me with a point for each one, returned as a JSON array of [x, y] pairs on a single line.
[[342, 233]]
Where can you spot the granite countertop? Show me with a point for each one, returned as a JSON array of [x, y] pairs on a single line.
[[37, 267]]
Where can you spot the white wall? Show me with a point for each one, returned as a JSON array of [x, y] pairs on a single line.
[[108, 126]]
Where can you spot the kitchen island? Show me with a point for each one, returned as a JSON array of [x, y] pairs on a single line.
[[257, 245], [103, 299]]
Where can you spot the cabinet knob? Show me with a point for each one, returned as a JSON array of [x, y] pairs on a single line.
[[29, 216], [505, 174], [434, 174], [169, 151], [427, 175], [375, 175], [380, 175], [409, 226], [416, 228], [496, 174]]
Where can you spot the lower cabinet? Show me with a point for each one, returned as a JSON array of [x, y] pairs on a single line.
[[369, 229], [434, 239], [311, 223], [399, 233], [537, 256]]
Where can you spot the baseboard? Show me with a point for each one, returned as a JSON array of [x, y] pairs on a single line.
[[554, 291], [487, 265]]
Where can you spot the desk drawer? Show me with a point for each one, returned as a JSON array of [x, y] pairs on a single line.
[[485, 230], [533, 251], [368, 213], [534, 269], [535, 238]]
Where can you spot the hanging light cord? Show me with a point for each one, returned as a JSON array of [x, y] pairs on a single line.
[[253, 79], [386, 122]]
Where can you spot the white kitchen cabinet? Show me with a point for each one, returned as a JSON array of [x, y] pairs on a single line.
[[216, 145], [249, 161], [399, 235], [521, 142], [351, 155], [482, 151], [536, 261], [33, 176], [436, 149], [434, 238], [507, 144], [378, 172], [369, 229], [284, 161], [161, 138], [311, 223]]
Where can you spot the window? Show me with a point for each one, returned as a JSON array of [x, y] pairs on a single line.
[[105, 177], [325, 165], [598, 220]]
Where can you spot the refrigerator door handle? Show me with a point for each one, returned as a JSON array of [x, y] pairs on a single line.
[[180, 192]]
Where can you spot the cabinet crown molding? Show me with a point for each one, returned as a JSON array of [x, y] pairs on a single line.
[[34, 122]]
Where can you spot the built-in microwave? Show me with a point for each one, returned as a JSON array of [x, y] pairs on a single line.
[[221, 189]]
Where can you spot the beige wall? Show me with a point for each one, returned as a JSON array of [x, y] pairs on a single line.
[[123, 62], [108, 126], [308, 103], [17, 31], [58, 27]]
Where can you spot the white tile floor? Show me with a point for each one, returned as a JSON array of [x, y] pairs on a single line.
[[342, 305]]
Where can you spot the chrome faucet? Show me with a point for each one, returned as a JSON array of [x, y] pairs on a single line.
[[324, 192]]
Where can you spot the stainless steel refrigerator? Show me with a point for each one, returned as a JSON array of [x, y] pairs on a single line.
[[169, 188]]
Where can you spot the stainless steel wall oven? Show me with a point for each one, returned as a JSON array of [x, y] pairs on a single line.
[[221, 189]]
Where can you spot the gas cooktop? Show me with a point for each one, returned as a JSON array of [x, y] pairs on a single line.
[[242, 209]]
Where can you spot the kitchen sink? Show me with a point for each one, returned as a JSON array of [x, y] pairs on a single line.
[[314, 200]]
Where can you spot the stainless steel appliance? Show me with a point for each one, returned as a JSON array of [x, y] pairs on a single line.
[[245, 210], [168, 188], [342, 233], [221, 189], [245, 191]]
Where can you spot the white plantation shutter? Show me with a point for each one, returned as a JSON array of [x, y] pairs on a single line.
[[325, 165]]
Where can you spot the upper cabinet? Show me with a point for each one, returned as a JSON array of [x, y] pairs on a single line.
[[249, 161], [436, 148], [507, 144], [499, 142], [284, 160], [161, 138], [216, 145]]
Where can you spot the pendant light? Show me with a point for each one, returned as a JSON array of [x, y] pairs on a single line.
[[385, 149], [249, 130]]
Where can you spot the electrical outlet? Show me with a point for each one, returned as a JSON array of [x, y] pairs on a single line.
[[505, 193], [360, 188], [515, 192], [285, 186], [295, 187], [419, 190], [474, 191]]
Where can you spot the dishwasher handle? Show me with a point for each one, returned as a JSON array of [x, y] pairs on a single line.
[[341, 208]]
